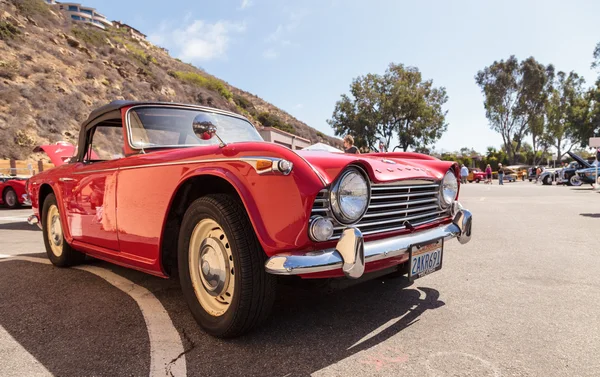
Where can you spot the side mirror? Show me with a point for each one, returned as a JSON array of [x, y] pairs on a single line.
[[203, 128]]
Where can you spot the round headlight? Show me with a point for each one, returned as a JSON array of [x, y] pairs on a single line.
[[448, 189], [350, 196]]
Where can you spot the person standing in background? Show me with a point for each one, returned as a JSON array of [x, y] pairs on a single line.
[[488, 174], [500, 174], [464, 173], [349, 145]]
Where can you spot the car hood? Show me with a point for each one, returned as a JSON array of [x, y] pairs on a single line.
[[579, 159], [58, 153], [381, 167]]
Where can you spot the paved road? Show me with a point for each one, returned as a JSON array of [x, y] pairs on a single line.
[[522, 299]]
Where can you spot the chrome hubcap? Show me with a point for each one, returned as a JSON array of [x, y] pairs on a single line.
[[214, 266], [211, 267], [55, 234], [11, 198]]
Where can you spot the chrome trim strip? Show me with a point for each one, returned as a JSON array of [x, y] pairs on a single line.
[[406, 203], [402, 187], [399, 212], [403, 195], [400, 219], [251, 160], [332, 259]]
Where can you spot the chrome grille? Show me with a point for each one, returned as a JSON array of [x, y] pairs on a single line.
[[390, 207]]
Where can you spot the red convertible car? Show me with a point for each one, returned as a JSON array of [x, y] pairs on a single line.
[[173, 189], [13, 192]]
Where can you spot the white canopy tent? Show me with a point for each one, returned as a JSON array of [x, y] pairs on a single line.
[[322, 147]]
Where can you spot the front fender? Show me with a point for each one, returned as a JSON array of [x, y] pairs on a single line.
[[278, 206]]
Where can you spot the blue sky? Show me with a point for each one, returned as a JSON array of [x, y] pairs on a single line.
[[302, 55]]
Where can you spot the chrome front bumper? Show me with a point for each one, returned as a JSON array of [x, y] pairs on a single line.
[[351, 252]]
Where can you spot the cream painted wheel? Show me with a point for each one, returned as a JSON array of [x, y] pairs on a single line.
[[211, 267], [221, 267], [60, 253], [54, 231]]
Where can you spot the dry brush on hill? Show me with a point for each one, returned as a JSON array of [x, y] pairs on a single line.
[[54, 72]]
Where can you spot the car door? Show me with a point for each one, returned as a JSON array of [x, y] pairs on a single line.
[[89, 192]]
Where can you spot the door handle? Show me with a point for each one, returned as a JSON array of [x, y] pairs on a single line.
[[66, 179]]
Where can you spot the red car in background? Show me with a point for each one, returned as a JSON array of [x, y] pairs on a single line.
[[476, 175], [195, 192], [13, 192]]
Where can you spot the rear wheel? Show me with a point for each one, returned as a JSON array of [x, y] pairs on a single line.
[[221, 267], [9, 196], [546, 181], [60, 253]]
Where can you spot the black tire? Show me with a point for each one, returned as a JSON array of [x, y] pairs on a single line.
[[68, 256], [546, 181], [10, 199], [574, 181], [477, 180], [254, 289]]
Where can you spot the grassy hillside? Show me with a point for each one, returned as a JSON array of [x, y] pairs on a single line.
[[54, 72]]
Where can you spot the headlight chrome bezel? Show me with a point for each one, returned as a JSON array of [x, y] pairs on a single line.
[[448, 182], [336, 209]]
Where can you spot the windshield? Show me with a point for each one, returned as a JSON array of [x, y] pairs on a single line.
[[161, 127]]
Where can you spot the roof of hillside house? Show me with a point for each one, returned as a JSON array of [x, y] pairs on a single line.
[[122, 24]]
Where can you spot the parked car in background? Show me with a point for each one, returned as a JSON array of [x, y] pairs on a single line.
[[509, 175], [13, 192], [549, 175], [476, 175], [568, 175], [201, 196], [589, 175]]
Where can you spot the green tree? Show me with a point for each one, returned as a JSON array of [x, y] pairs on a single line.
[[515, 94], [562, 113], [397, 103]]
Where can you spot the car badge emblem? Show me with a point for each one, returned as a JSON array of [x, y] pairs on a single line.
[[388, 161]]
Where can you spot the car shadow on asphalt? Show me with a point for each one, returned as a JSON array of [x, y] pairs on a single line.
[[593, 215], [18, 226], [310, 328]]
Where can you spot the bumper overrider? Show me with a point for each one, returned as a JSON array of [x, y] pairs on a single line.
[[352, 252]]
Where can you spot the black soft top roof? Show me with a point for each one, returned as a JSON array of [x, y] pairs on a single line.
[[119, 104]]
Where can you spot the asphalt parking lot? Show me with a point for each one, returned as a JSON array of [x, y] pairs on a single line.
[[521, 299]]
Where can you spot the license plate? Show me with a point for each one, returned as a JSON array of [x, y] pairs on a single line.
[[425, 259]]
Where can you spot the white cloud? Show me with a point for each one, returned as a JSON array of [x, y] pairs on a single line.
[[245, 4], [270, 54], [278, 39], [198, 40]]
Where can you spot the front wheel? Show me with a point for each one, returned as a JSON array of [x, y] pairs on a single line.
[[546, 181], [221, 267], [575, 181], [9, 196], [60, 253]]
